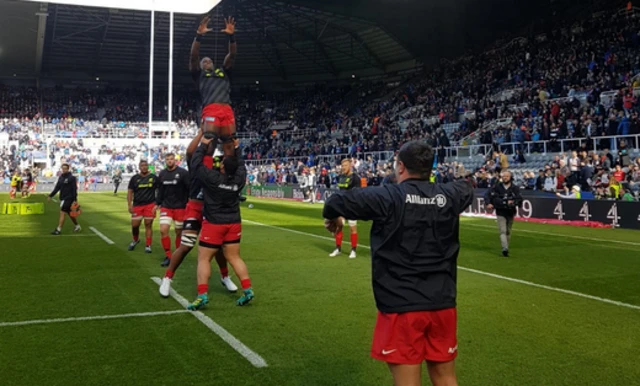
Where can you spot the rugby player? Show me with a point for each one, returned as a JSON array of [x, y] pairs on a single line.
[[414, 251], [346, 181], [16, 180], [141, 198], [68, 188], [173, 195], [214, 84], [193, 224], [222, 227], [27, 183]]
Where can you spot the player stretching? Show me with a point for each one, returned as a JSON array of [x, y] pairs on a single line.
[[68, 188], [214, 84], [173, 194], [222, 227], [192, 225], [141, 197], [348, 180]]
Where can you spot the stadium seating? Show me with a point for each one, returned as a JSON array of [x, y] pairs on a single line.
[[572, 83]]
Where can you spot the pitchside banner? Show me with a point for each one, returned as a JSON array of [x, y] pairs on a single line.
[[619, 214]]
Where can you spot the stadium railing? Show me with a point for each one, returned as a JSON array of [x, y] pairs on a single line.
[[332, 159], [560, 145]]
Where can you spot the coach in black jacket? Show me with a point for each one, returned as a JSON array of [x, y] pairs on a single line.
[[414, 250], [67, 185], [506, 198]]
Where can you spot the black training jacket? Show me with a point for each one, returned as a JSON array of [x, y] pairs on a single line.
[[221, 192], [414, 240]]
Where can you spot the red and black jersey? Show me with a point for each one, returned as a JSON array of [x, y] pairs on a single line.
[[144, 189], [173, 188], [214, 86]]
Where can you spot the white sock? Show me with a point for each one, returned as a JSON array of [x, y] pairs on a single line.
[[58, 229]]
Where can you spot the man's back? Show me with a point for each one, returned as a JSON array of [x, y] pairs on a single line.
[[414, 240]]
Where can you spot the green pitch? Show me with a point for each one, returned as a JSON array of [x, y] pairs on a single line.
[[313, 316]]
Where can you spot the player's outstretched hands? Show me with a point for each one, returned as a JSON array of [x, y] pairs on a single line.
[[230, 26], [203, 28], [333, 226]]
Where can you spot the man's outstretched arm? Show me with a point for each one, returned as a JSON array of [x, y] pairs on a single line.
[[194, 59], [230, 29]]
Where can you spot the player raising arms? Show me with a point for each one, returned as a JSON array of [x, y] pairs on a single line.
[[192, 225], [222, 227], [348, 180], [214, 84], [173, 194], [141, 197]]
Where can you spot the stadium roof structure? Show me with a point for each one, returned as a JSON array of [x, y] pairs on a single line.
[[182, 6], [276, 41]]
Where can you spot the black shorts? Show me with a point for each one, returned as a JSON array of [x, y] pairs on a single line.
[[65, 205], [192, 225]]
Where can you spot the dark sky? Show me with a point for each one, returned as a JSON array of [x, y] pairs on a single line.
[[437, 28]]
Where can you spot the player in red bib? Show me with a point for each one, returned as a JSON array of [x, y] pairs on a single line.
[[214, 84]]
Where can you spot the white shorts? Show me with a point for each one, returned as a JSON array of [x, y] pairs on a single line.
[[352, 223]]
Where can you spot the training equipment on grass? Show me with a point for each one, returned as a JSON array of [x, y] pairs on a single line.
[[23, 209]]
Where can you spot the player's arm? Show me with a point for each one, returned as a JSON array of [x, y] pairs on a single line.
[[160, 189], [57, 188], [463, 194], [193, 145], [130, 190], [359, 204], [186, 181], [74, 186], [194, 58], [230, 29], [209, 177]]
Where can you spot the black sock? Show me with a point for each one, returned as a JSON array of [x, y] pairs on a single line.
[[136, 233]]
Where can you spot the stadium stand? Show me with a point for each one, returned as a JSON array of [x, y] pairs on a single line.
[[531, 101]]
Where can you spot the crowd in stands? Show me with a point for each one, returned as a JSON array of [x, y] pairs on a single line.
[[549, 87]]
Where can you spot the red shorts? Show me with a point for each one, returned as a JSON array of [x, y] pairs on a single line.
[[215, 235], [218, 114], [193, 211], [145, 211], [177, 215], [410, 338]]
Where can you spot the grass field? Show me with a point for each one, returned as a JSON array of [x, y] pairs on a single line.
[[313, 316]]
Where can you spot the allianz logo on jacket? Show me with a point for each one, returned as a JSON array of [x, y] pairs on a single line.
[[229, 187], [440, 200]]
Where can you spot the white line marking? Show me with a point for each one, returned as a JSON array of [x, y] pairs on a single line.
[[83, 318], [253, 358], [102, 236], [493, 275], [558, 235]]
